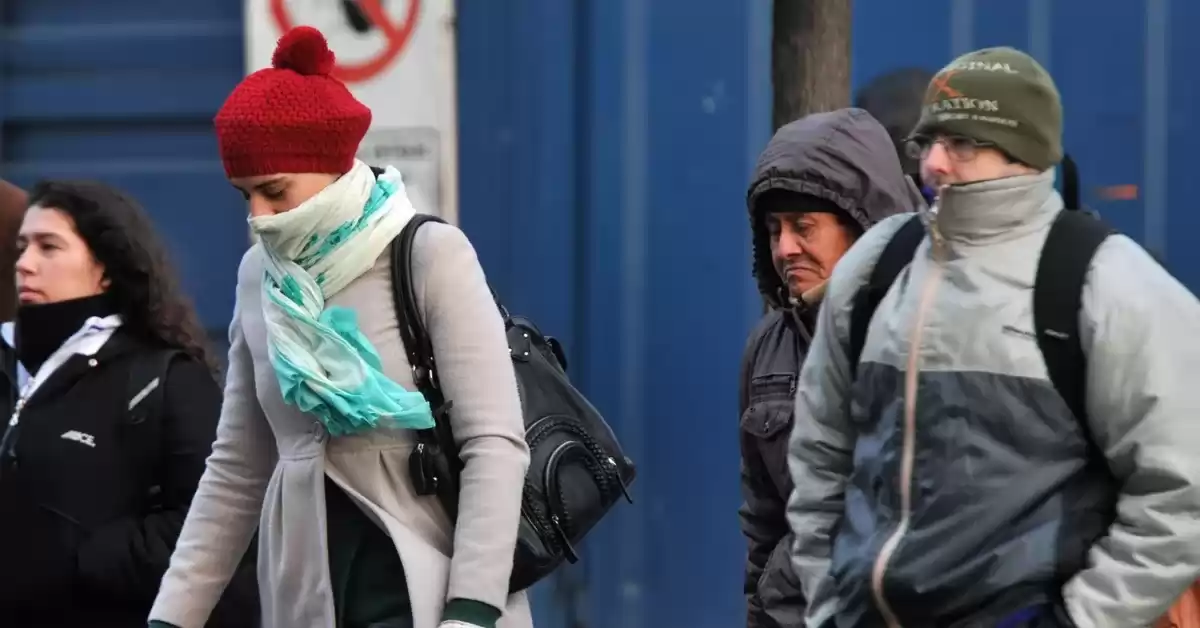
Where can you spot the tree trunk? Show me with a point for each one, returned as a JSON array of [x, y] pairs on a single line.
[[810, 57], [810, 60]]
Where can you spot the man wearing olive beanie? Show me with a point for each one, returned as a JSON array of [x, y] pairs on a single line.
[[943, 477]]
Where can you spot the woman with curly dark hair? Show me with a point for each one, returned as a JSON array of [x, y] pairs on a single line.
[[114, 406]]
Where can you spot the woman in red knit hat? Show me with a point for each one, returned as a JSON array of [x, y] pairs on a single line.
[[316, 429]]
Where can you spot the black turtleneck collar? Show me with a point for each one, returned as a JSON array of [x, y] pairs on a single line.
[[41, 329]]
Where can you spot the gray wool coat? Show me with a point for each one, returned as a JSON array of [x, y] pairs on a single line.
[[269, 461]]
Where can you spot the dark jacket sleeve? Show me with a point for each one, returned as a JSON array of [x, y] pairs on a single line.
[[126, 559], [763, 523], [762, 511]]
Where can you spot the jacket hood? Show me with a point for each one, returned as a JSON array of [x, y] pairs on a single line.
[[843, 156]]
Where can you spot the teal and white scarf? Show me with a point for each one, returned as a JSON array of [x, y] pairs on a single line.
[[324, 363]]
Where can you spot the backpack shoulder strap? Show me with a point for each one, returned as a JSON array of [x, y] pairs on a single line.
[[147, 384], [1070, 183], [1058, 297], [896, 255]]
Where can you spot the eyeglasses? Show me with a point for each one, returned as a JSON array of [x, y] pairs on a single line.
[[958, 147]]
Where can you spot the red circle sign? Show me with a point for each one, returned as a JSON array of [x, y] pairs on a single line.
[[397, 36]]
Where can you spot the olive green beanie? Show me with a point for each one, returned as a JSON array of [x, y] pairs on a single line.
[[1001, 96]]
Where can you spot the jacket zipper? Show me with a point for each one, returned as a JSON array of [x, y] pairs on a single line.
[[802, 334], [908, 448], [8, 443], [808, 302]]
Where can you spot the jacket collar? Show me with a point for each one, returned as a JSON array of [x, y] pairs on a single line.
[[997, 210], [105, 344]]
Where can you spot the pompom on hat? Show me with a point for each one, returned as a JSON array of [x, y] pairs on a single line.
[[292, 117]]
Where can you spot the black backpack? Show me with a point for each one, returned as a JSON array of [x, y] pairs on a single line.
[[1057, 293], [238, 606], [577, 469]]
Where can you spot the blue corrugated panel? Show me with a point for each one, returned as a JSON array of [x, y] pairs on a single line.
[[519, 202], [605, 150], [125, 91], [1179, 111]]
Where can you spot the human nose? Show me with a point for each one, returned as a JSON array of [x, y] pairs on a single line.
[[260, 206], [25, 262], [936, 161], [791, 242]]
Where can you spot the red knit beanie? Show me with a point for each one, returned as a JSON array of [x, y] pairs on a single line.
[[292, 117]]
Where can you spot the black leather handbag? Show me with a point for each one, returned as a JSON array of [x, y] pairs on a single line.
[[577, 469]]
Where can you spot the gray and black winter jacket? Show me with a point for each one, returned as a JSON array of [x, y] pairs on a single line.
[[949, 484]]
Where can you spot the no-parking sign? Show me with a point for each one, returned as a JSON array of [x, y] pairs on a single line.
[[397, 57]]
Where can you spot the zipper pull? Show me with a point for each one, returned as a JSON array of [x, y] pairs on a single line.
[[16, 415], [935, 234], [568, 549]]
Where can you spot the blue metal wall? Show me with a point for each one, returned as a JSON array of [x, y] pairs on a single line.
[[125, 90], [606, 146]]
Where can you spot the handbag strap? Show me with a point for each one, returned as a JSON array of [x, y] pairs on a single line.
[[416, 340], [413, 333], [404, 298], [412, 328]]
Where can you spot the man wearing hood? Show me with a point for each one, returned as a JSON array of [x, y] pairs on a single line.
[[950, 471], [821, 182]]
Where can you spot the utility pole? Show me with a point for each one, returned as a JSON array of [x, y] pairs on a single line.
[[810, 57]]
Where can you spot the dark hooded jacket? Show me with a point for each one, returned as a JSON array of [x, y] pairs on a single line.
[[845, 157]]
